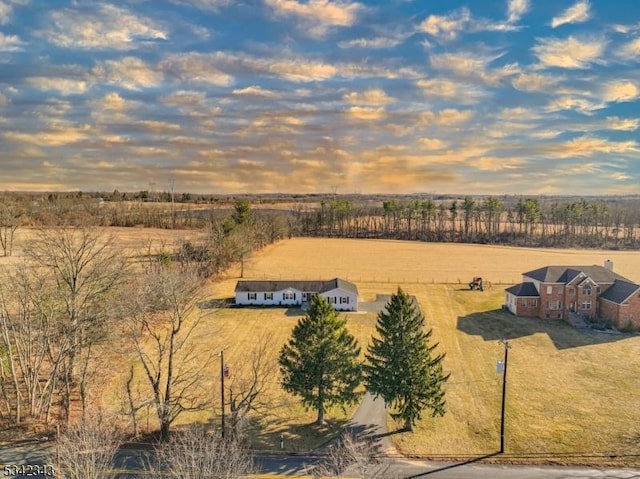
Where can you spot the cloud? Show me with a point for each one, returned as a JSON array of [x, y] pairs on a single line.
[[454, 90], [375, 96], [65, 86], [107, 28], [366, 113], [187, 100], [622, 124], [432, 143], [55, 136], [630, 50], [462, 63], [490, 163], [155, 126], [446, 117], [317, 17], [620, 91], [534, 82], [516, 9], [446, 27], [569, 102], [585, 146], [195, 67], [569, 53], [373, 43], [206, 5], [255, 90], [5, 12], [294, 69], [112, 108], [575, 14], [129, 72], [10, 43], [113, 101]]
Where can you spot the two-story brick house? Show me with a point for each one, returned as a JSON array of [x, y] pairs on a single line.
[[557, 292]]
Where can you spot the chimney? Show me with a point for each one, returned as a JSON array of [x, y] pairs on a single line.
[[608, 264]]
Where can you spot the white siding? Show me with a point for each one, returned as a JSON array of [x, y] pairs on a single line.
[[294, 298], [342, 300], [511, 303]]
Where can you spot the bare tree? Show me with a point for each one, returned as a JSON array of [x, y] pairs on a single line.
[[161, 321], [10, 220], [351, 457], [197, 454], [85, 271], [86, 450], [248, 385], [31, 339]]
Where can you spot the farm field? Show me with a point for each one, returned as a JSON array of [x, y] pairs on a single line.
[[395, 261], [568, 392]]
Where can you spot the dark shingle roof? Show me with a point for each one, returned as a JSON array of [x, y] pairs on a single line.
[[564, 274], [620, 291], [304, 286], [523, 289]]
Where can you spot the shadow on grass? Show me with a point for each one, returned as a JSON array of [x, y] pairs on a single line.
[[498, 324], [453, 466], [280, 435]]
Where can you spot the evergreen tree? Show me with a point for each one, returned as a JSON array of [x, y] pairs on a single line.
[[320, 362], [401, 366]]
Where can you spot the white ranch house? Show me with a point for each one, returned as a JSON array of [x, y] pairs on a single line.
[[342, 294]]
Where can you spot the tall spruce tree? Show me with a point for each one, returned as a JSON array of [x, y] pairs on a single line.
[[401, 366], [320, 363]]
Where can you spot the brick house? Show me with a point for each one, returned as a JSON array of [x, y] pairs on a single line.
[[563, 292]]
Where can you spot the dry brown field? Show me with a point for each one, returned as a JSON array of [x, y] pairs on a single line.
[[394, 261], [131, 241], [568, 392]]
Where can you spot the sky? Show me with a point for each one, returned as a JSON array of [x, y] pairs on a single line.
[[313, 96]]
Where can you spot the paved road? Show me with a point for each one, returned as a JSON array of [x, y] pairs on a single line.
[[392, 469]]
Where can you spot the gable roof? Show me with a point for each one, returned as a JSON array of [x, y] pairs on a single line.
[[565, 274], [523, 290], [304, 286], [620, 291]]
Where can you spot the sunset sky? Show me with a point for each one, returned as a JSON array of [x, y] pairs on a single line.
[[396, 96]]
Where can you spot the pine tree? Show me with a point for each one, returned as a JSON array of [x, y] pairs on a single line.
[[320, 363], [401, 366]]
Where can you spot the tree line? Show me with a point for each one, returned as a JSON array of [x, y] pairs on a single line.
[[520, 221], [606, 222]]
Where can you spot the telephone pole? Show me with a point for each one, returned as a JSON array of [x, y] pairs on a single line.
[[503, 366], [222, 387]]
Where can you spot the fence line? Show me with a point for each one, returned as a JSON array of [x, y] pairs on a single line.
[[391, 280]]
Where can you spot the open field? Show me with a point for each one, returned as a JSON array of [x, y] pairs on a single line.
[[409, 261], [567, 391], [131, 241]]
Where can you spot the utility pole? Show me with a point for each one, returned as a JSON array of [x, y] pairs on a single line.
[[503, 366], [222, 387]]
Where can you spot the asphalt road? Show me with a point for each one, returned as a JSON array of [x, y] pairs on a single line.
[[369, 421], [391, 468]]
